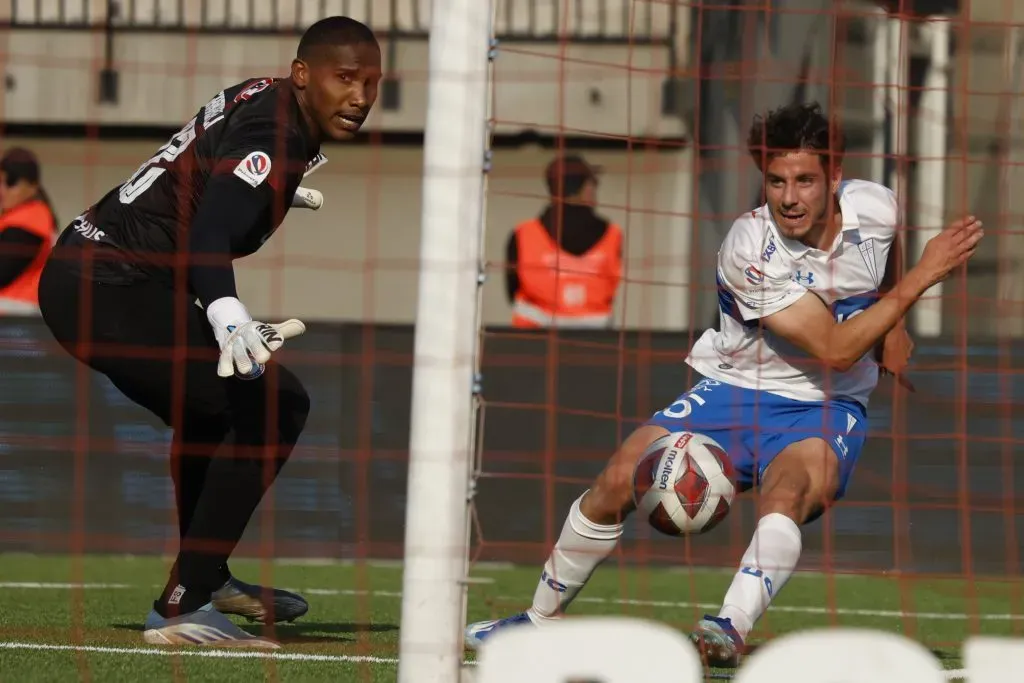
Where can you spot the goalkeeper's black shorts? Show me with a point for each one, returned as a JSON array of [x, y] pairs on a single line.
[[158, 348]]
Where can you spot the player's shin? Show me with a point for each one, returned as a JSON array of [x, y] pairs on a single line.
[[765, 568], [581, 547]]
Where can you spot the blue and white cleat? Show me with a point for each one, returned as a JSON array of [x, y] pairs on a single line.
[[477, 633], [257, 603], [205, 626], [717, 641]]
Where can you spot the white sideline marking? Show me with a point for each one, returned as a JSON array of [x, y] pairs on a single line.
[[34, 584], [215, 654], [348, 592]]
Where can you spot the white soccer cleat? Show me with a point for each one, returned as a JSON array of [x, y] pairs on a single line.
[[205, 626]]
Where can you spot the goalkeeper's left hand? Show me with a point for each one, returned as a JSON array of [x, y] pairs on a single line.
[[246, 344]]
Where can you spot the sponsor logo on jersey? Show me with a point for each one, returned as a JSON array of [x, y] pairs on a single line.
[[254, 168], [802, 278], [766, 256], [753, 275]]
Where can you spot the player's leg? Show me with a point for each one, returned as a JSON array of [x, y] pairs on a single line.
[[267, 416], [595, 521], [108, 328], [796, 486], [589, 535], [126, 333], [208, 433]]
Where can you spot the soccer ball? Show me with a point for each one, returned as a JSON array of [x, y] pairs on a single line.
[[683, 484]]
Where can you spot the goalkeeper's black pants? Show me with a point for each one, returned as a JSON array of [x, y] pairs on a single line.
[[231, 436]]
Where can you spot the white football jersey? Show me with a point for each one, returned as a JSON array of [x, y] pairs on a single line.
[[760, 272]]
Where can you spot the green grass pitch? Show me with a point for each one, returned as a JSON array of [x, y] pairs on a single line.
[[68, 619]]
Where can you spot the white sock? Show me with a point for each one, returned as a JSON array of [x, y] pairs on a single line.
[[582, 546], [764, 570]]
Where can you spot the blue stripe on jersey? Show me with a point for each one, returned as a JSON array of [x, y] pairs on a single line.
[[727, 302], [844, 309]]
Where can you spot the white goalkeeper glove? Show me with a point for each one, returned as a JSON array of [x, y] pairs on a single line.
[[246, 344]]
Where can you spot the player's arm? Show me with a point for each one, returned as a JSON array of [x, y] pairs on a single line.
[[245, 184], [808, 323]]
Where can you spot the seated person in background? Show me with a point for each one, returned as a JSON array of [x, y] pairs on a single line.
[[564, 267]]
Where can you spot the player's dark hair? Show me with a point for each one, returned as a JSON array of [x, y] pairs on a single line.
[[794, 128], [332, 31]]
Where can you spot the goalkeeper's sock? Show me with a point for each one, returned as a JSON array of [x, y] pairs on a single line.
[[582, 546], [764, 570], [180, 597]]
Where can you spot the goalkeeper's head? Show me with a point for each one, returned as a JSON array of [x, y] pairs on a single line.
[[335, 73]]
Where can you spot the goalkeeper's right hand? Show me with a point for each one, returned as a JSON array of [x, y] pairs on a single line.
[[246, 344]]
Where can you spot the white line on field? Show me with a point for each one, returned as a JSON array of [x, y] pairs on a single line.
[[841, 611], [221, 654], [70, 586]]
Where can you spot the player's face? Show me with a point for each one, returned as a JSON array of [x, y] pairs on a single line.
[[799, 192], [340, 88]]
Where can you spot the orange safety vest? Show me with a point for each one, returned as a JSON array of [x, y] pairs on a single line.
[[559, 289], [22, 295]]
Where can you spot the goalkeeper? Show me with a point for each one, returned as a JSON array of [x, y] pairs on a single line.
[[141, 288]]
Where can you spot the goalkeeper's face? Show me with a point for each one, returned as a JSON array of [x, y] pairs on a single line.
[[340, 87]]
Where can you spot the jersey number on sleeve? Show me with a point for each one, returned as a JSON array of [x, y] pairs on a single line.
[[147, 174]]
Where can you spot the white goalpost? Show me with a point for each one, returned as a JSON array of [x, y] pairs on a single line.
[[447, 334]]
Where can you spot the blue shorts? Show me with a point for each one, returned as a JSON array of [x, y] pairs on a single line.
[[755, 426]]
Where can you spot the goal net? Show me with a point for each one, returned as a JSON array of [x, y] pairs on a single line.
[[658, 95]]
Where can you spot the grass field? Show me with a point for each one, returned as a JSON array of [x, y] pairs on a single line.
[[65, 620]]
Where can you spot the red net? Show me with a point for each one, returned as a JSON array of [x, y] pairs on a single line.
[[659, 95]]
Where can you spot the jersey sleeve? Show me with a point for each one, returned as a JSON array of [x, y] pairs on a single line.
[[756, 288], [249, 175]]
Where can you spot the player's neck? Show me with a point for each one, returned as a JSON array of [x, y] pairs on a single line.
[[307, 118]]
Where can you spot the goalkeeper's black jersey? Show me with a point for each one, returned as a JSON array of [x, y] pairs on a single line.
[[215, 191]]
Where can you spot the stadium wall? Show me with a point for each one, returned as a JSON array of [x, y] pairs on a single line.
[[357, 258]]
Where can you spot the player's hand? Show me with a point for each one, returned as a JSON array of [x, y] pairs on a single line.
[[951, 248], [893, 355], [247, 348], [245, 344]]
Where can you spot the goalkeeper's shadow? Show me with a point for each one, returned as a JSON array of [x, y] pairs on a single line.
[[316, 632]]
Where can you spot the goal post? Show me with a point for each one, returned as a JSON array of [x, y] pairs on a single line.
[[446, 340]]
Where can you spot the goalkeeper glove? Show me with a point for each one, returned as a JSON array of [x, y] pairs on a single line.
[[246, 344]]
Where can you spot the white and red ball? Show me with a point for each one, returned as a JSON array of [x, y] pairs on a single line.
[[684, 484]]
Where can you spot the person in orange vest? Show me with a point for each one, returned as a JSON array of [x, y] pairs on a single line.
[[28, 229], [564, 267]]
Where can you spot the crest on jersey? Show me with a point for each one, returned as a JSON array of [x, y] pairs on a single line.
[[753, 275], [254, 168], [867, 252]]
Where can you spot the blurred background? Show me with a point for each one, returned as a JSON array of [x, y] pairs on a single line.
[[657, 95]]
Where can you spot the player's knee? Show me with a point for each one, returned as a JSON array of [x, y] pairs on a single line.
[[610, 498], [801, 482]]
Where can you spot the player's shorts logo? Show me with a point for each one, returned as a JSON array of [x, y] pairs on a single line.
[[254, 168]]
